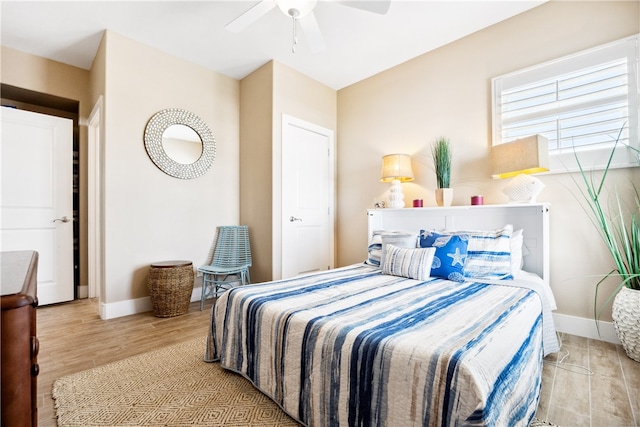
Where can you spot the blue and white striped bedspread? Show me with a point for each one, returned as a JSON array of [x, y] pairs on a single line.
[[355, 347]]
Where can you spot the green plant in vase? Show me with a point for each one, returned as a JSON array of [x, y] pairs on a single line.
[[441, 153], [618, 224]]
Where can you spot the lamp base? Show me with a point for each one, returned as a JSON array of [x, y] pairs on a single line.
[[396, 198], [523, 189]]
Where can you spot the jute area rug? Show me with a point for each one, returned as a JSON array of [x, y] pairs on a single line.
[[172, 386]]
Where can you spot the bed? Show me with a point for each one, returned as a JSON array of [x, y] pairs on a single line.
[[393, 345]]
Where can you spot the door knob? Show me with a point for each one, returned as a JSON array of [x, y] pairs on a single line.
[[293, 218], [63, 219]]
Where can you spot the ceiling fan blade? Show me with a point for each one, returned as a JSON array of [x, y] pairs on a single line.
[[250, 16], [312, 33], [376, 6]]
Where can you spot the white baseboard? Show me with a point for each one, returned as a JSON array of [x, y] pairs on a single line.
[[134, 306], [583, 327], [83, 291]]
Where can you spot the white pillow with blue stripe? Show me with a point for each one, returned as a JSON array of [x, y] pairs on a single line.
[[489, 253], [413, 263]]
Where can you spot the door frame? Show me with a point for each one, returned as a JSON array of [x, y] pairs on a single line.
[[288, 120], [95, 197]]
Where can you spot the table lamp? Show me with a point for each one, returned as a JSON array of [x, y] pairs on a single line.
[[396, 168], [518, 159]]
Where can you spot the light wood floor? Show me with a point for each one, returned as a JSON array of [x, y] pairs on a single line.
[[595, 385], [73, 338]]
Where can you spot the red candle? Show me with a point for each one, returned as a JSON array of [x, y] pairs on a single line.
[[417, 203], [477, 200]]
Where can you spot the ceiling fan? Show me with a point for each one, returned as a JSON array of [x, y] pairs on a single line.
[[302, 11]]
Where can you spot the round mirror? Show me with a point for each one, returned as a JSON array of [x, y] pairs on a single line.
[[180, 143]]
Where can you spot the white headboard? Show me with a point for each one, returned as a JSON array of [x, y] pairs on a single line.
[[532, 218]]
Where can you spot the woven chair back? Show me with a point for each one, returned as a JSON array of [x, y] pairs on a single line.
[[232, 247]]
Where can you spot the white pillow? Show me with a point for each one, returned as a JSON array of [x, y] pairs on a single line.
[[517, 258], [374, 250], [399, 240], [412, 263]]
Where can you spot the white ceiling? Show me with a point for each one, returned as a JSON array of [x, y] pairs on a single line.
[[359, 44]]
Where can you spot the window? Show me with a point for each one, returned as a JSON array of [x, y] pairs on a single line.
[[581, 103]]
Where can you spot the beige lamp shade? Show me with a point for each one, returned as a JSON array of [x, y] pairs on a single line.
[[396, 167], [522, 156]]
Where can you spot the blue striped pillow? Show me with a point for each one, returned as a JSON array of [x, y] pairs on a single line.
[[373, 254], [489, 253], [414, 263]]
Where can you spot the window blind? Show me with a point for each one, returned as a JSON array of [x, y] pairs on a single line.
[[582, 102]]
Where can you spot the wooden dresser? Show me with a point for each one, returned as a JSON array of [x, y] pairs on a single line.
[[19, 349]]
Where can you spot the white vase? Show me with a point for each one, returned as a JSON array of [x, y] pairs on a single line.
[[626, 321], [444, 196]]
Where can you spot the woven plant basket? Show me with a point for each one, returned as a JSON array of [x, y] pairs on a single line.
[[626, 321], [170, 286]]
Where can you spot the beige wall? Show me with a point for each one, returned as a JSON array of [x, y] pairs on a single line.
[[95, 256], [256, 192], [447, 92], [266, 94], [97, 73], [303, 98], [44, 75], [151, 216], [148, 215]]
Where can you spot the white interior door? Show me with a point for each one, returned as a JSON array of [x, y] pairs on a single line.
[[36, 205], [307, 197]]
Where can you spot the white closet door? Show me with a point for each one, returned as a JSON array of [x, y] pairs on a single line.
[[36, 205]]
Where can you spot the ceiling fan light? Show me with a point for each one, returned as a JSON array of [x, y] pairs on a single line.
[[304, 7]]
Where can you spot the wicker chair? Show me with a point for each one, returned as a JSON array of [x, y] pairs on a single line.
[[229, 264]]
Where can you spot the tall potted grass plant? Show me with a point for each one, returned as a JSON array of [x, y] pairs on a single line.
[[618, 224], [441, 153]]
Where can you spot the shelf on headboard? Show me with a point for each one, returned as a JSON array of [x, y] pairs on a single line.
[[532, 218]]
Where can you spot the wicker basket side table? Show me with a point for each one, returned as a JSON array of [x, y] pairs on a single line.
[[170, 285]]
